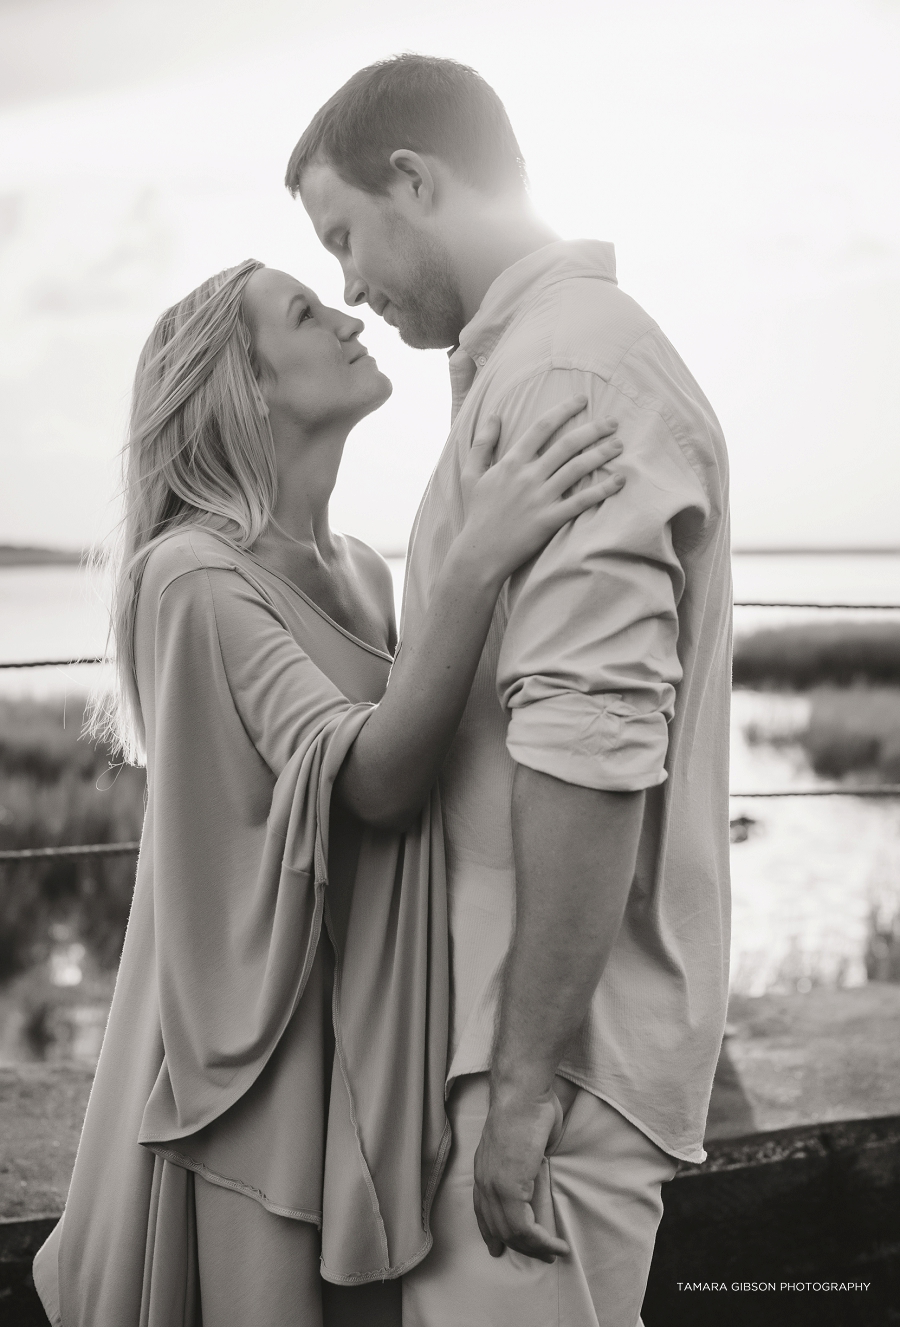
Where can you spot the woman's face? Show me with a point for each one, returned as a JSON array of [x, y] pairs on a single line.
[[314, 373]]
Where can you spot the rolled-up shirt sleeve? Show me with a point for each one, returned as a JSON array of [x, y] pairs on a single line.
[[589, 662]]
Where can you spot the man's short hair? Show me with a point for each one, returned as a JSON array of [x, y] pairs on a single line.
[[429, 105]]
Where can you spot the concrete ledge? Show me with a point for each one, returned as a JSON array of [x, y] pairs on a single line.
[[804, 1059], [797, 1186], [795, 1144], [812, 1204], [817, 1204], [41, 1110], [20, 1239]]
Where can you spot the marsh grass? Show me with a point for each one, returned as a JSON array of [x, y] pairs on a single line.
[[57, 788], [850, 673], [838, 653], [854, 732], [850, 733]]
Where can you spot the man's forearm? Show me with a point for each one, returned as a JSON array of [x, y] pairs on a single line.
[[575, 851]]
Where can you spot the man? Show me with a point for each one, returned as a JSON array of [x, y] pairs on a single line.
[[585, 794]]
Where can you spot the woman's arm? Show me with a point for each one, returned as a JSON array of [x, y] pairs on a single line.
[[514, 508]]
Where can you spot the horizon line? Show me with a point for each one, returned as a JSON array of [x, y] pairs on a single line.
[[809, 550], [24, 554]]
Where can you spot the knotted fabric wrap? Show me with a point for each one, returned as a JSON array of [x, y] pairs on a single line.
[[217, 1056]]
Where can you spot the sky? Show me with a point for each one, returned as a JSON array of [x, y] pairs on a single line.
[[742, 155]]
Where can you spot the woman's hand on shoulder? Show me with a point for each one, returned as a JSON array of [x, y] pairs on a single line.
[[515, 506]]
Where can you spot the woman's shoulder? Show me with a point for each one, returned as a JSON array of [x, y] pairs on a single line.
[[184, 551], [369, 563], [373, 571], [198, 586]]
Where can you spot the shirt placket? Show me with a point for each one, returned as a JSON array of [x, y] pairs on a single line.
[[462, 375]]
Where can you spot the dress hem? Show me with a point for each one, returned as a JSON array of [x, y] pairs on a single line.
[[238, 1186], [381, 1273]]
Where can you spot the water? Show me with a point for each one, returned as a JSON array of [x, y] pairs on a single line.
[[59, 612], [810, 873], [835, 578], [818, 577], [50, 613], [56, 612]]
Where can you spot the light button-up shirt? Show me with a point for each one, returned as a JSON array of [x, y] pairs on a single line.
[[607, 665]]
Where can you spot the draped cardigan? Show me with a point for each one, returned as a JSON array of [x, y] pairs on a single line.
[[215, 1058]]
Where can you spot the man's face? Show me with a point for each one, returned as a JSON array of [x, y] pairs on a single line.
[[399, 268]]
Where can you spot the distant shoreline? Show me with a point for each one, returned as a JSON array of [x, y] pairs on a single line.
[[27, 555], [24, 555], [777, 551]]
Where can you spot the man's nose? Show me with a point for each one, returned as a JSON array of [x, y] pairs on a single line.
[[355, 290]]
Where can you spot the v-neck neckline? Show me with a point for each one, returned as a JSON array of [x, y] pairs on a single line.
[[364, 645]]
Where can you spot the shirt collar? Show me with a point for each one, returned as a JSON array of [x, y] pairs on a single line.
[[546, 266]]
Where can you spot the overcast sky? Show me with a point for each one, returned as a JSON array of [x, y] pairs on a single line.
[[742, 155]]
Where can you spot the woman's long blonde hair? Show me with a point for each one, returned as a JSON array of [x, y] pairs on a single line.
[[199, 452]]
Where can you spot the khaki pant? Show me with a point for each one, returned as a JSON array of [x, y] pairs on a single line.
[[599, 1189]]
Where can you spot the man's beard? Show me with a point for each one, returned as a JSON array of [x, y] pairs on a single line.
[[428, 310]]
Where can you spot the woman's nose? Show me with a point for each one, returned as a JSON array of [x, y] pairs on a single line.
[[349, 328]]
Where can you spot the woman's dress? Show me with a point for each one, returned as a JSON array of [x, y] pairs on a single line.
[[222, 1059]]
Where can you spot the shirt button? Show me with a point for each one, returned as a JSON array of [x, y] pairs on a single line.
[[482, 361]]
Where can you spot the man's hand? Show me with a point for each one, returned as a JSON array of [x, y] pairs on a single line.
[[575, 851], [516, 1134]]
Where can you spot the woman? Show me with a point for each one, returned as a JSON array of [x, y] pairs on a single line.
[[288, 780]]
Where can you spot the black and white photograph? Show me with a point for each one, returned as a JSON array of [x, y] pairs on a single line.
[[449, 663]]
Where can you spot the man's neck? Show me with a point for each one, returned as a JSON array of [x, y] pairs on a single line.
[[491, 241]]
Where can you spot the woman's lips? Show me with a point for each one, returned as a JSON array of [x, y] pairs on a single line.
[[365, 357]]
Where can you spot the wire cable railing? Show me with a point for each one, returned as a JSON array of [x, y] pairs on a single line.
[[71, 850], [75, 851], [794, 603], [738, 603], [54, 663], [850, 790]]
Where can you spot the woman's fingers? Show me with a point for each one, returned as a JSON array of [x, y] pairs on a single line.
[[589, 459], [484, 444], [589, 496], [538, 434], [480, 457], [585, 435]]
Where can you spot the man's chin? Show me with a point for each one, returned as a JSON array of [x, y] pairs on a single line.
[[419, 338]]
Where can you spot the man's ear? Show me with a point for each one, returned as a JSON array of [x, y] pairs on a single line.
[[413, 177]]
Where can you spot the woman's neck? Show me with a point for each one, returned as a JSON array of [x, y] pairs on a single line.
[[300, 545], [307, 471]]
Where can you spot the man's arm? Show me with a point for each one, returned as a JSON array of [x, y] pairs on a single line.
[[587, 672], [575, 851]]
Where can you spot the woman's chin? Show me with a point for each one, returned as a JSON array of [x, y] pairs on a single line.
[[382, 389], [377, 391]]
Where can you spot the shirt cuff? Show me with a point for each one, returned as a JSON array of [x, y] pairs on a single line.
[[595, 741]]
